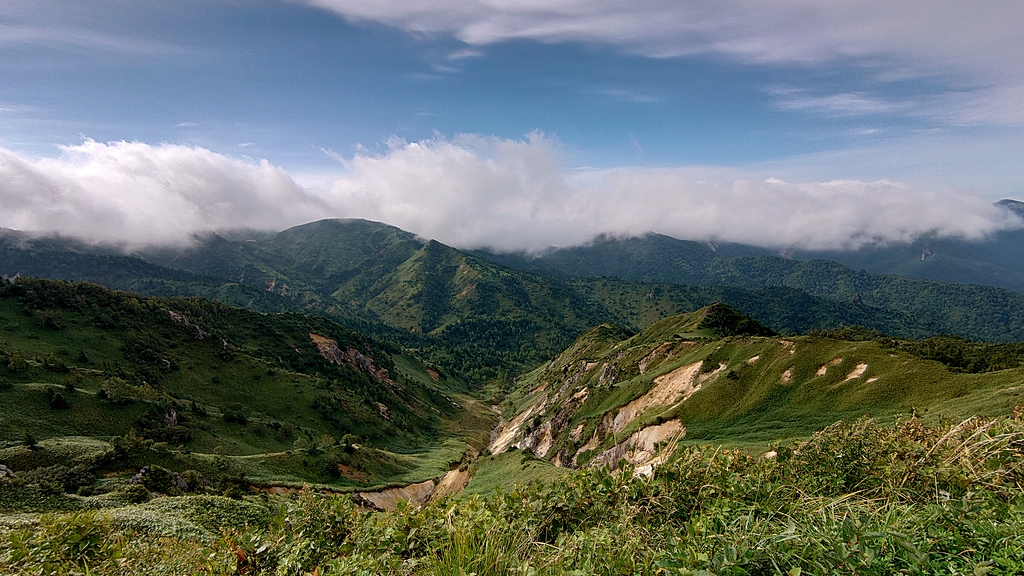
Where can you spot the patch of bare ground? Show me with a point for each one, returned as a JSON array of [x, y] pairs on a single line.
[[857, 372], [506, 432], [451, 484], [668, 389], [644, 448], [709, 375], [824, 367], [389, 498], [787, 376], [753, 359]]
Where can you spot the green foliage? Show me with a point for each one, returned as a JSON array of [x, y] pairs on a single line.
[[57, 400], [963, 355], [119, 391], [65, 545], [908, 498], [135, 493], [832, 293]]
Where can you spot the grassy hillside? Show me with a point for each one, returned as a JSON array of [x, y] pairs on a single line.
[[854, 498], [183, 383], [618, 395], [787, 310], [487, 321]]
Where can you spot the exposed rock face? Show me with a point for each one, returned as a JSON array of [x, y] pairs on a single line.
[[388, 499], [330, 350], [506, 432], [542, 439], [6, 472], [668, 389], [643, 448]]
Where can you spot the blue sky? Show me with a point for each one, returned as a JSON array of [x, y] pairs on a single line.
[[926, 98]]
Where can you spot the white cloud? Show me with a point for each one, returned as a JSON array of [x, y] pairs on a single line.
[[139, 194], [977, 46], [474, 191], [469, 191]]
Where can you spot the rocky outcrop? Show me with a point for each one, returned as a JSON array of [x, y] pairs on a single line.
[[644, 448], [332, 352], [389, 498]]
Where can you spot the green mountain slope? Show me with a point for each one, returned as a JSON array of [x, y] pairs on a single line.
[[713, 375], [78, 360], [975, 311], [485, 320]]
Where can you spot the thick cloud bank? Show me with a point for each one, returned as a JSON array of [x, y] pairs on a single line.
[[486, 192], [470, 191], [139, 194]]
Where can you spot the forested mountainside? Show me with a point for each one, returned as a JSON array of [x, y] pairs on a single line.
[[487, 320], [992, 261]]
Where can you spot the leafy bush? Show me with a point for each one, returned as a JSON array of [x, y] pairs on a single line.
[[65, 544], [119, 391], [57, 400]]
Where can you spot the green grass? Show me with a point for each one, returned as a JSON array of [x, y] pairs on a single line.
[[907, 498], [779, 396], [503, 471], [217, 384]]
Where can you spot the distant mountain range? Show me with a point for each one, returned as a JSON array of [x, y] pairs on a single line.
[[995, 261], [487, 316]]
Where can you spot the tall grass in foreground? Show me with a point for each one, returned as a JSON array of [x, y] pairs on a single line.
[[856, 498]]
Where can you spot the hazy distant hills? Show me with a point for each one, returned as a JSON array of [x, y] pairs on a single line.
[[486, 317], [995, 261]]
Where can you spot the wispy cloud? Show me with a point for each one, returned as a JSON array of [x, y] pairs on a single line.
[[464, 54], [977, 45], [628, 95], [469, 191], [84, 40], [844, 104], [11, 108]]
